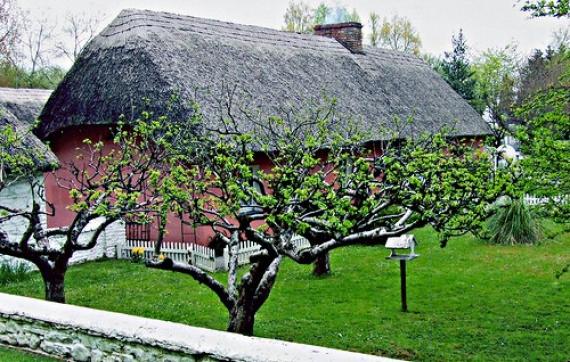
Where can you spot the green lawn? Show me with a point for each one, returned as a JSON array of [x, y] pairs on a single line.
[[469, 301], [10, 355]]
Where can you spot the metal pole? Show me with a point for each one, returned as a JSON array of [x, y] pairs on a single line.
[[403, 285]]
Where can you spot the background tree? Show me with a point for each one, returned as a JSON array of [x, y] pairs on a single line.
[[10, 30], [374, 35], [31, 63], [301, 18], [321, 13], [344, 196], [37, 52], [298, 17], [540, 8], [398, 34], [457, 71], [32, 47], [542, 70], [545, 142], [496, 73], [104, 187], [79, 29]]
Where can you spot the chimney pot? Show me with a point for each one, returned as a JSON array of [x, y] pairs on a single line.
[[347, 34]]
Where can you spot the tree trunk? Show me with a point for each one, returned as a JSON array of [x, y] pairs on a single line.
[[322, 265], [55, 287], [241, 321]]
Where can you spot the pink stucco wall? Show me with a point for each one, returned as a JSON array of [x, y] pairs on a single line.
[[67, 144]]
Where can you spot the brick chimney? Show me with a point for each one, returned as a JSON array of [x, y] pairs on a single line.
[[348, 34]]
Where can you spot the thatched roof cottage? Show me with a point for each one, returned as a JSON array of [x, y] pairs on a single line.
[[153, 55]]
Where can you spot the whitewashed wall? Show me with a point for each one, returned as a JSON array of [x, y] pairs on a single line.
[[18, 195], [108, 243]]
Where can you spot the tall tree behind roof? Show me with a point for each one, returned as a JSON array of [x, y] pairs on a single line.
[[397, 34], [298, 17], [457, 71], [496, 72], [321, 13], [374, 35], [79, 29], [541, 71], [301, 18]]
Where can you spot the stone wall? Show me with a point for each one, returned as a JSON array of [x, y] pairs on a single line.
[[82, 334]]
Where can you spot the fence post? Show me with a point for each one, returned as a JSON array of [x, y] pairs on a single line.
[[226, 257]]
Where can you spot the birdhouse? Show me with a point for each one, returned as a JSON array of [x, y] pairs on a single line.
[[402, 247]]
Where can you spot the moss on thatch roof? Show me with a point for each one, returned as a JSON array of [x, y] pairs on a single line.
[[19, 109], [145, 54]]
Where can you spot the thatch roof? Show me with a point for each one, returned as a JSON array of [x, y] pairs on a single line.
[[145, 54], [19, 109]]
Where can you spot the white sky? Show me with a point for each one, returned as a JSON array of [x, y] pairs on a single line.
[[486, 23]]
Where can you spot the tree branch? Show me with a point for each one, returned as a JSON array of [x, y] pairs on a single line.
[[198, 275]]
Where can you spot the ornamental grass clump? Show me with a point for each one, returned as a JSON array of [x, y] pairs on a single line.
[[514, 223], [13, 273]]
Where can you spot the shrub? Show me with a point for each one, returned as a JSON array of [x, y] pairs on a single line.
[[14, 272], [514, 223]]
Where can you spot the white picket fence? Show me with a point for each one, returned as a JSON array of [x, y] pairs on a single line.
[[245, 250], [201, 256], [533, 201], [176, 251], [300, 242]]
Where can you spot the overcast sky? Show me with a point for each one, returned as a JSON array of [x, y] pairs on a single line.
[[486, 23]]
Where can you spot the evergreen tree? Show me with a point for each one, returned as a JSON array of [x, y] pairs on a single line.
[[541, 71], [457, 71]]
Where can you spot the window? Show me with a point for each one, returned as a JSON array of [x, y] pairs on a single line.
[[251, 207]]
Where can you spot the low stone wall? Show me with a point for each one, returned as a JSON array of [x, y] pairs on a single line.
[[82, 334]]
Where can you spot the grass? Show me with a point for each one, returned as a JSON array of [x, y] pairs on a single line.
[[468, 302], [12, 355], [14, 272]]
